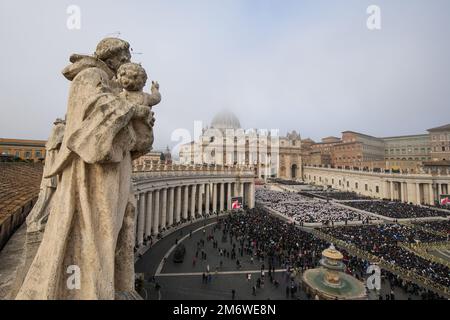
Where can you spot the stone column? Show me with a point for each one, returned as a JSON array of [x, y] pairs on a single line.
[[185, 202], [241, 189], [247, 194], [214, 198], [418, 200], [141, 220], [164, 208], [200, 200], [408, 197], [402, 192], [252, 196], [386, 187], [178, 205], [156, 213], [136, 204], [207, 191], [170, 209], [430, 191], [221, 197], [229, 196], [149, 211], [392, 191], [192, 213]]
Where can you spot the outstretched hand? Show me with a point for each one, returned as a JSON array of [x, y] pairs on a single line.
[[155, 86]]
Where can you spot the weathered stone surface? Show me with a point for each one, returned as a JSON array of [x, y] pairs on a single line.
[[37, 218], [11, 256], [30, 247], [91, 220]]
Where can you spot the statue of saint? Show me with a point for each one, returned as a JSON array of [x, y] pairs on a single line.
[[87, 247], [38, 216]]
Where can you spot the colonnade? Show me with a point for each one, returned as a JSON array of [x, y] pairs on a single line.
[[417, 192], [160, 207], [422, 188]]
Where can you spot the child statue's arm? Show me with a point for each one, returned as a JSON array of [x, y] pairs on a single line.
[[155, 97]]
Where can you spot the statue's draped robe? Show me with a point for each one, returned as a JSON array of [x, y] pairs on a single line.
[[91, 222]]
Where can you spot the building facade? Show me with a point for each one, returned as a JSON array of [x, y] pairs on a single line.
[[226, 143], [357, 149], [440, 143], [321, 153], [398, 154], [152, 157], [24, 149], [407, 148]]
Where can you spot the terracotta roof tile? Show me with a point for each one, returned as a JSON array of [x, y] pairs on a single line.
[[19, 183]]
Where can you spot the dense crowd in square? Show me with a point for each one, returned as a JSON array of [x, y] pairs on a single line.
[[397, 210], [307, 210], [442, 226], [267, 195], [262, 236], [382, 241], [317, 212], [340, 195]]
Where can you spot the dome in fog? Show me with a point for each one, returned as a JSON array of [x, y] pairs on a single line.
[[225, 120]]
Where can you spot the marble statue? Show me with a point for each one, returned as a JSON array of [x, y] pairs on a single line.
[[90, 229], [38, 216], [132, 78]]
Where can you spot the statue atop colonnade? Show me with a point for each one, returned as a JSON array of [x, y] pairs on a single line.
[[90, 228]]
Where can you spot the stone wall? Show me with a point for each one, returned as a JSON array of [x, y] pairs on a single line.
[[13, 221]]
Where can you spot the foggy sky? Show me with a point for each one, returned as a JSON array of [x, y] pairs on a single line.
[[310, 66]]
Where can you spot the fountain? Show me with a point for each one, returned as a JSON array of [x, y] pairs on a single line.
[[330, 282]]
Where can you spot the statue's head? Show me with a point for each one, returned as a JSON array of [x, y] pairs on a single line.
[[132, 76], [114, 52]]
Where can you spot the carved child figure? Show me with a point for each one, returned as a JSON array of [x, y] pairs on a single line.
[[132, 77]]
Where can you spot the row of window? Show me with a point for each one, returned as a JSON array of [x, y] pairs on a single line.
[[441, 137], [410, 159], [27, 154], [441, 149], [409, 150], [366, 186]]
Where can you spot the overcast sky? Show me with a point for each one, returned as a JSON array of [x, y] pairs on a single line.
[[311, 66]]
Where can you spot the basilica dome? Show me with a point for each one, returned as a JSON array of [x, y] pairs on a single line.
[[225, 120]]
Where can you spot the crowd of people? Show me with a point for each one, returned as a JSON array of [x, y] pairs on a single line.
[[267, 238], [307, 210], [397, 210], [277, 244], [288, 182], [340, 195], [266, 195], [317, 212], [382, 241], [442, 226]]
